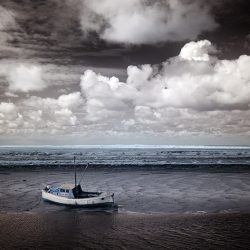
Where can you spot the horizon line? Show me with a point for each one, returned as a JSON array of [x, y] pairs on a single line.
[[123, 146]]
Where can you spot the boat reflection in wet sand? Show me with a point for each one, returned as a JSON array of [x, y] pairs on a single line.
[[73, 195]]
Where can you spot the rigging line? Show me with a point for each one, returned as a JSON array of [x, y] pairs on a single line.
[[83, 173]]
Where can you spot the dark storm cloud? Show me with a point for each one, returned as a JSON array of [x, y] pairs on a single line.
[[43, 41], [234, 26], [56, 30], [44, 26], [64, 33], [51, 30]]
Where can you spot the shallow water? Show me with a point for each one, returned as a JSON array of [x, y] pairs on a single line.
[[157, 191]]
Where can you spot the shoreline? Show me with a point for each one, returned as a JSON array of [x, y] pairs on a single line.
[[164, 166]]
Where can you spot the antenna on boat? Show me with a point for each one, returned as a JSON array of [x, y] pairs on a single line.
[[75, 169]]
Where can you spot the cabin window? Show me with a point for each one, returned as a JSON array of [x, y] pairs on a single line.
[[62, 190], [67, 191]]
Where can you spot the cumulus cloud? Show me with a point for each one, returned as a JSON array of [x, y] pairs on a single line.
[[70, 100], [25, 78], [194, 80], [37, 114], [146, 22], [207, 85], [105, 97], [10, 118], [197, 51], [174, 98], [177, 96], [7, 109]]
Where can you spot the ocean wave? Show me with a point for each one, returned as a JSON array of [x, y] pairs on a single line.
[[125, 157]]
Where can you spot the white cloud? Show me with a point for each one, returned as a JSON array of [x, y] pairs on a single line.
[[105, 97], [193, 93], [197, 51], [65, 117], [70, 100], [7, 108], [186, 89], [51, 113], [145, 22], [41, 115], [9, 94], [10, 118], [25, 78], [193, 80], [207, 85]]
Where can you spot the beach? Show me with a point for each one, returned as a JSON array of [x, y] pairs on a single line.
[[158, 206]]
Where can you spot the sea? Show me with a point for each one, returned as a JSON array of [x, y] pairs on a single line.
[[167, 197]]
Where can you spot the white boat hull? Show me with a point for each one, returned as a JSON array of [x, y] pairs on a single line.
[[102, 200]]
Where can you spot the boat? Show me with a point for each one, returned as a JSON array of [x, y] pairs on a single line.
[[73, 195]]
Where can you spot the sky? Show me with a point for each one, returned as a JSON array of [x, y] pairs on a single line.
[[125, 72]]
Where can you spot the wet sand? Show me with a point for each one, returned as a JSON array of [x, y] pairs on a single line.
[[74, 229]]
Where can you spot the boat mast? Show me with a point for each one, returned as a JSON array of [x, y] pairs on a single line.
[[75, 169]]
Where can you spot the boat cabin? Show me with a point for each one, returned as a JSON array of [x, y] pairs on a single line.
[[71, 191], [65, 190]]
